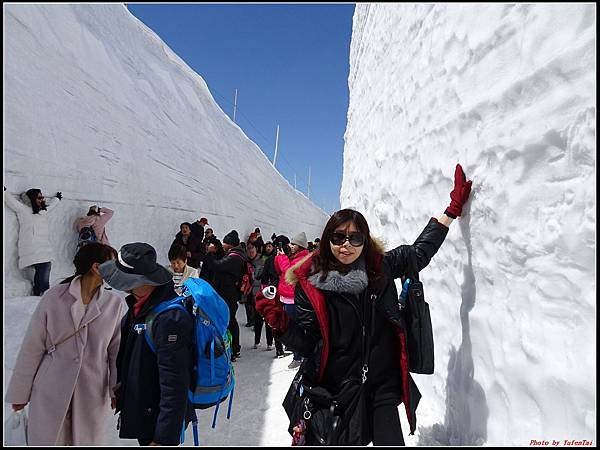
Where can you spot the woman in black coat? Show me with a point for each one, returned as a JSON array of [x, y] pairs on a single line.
[[345, 291], [194, 246]]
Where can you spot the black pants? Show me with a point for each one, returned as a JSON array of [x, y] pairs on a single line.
[[258, 325], [386, 426], [144, 442], [234, 328], [291, 312], [249, 307]]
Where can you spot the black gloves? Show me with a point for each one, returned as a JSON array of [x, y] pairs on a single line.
[[59, 195]]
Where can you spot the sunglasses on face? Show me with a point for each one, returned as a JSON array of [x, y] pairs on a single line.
[[40, 198], [356, 239]]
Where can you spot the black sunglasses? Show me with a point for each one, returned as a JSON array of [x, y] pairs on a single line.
[[356, 239]]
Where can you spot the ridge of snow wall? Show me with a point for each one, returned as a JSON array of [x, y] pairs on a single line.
[[97, 106]]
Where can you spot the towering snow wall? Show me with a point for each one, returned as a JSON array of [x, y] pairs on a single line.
[[98, 107], [509, 92]]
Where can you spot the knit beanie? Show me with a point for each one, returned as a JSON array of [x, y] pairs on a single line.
[[232, 238]]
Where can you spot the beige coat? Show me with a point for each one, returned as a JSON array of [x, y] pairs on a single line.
[[81, 371]]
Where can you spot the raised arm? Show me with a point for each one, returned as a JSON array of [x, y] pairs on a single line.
[[432, 237], [15, 204], [105, 216], [53, 202]]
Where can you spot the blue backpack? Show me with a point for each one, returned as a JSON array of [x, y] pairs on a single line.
[[86, 235], [213, 370]]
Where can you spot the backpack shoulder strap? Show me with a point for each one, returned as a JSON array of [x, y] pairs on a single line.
[[147, 326]]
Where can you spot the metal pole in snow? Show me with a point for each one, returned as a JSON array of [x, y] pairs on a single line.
[[295, 183], [276, 146], [234, 106], [308, 181]]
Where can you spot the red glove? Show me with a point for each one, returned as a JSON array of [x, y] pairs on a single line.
[[272, 311], [460, 193]]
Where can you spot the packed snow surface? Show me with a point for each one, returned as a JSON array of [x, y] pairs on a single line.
[[509, 92], [98, 107]]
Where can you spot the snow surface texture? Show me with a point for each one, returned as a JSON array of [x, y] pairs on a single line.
[[509, 92], [98, 107]]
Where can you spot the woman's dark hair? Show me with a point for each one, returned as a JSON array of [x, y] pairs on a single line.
[[178, 251], [324, 261], [91, 253], [93, 212], [185, 223], [33, 194]]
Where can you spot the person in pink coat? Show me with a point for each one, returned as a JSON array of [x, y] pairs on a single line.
[[96, 218], [298, 246], [66, 367]]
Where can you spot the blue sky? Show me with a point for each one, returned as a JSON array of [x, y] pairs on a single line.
[[290, 65]]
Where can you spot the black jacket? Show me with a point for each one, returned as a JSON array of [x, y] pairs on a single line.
[[194, 246], [269, 275], [153, 393], [383, 318], [197, 231], [227, 273]]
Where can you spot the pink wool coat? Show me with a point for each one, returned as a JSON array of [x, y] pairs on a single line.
[[98, 223], [282, 264], [81, 371]]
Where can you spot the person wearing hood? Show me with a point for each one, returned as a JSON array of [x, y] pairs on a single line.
[[34, 247], [350, 326], [96, 218], [226, 279], [298, 250], [152, 386]]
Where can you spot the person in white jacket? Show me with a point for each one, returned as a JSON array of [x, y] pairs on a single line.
[[34, 244]]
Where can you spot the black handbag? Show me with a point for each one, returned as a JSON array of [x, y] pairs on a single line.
[[329, 419], [419, 331]]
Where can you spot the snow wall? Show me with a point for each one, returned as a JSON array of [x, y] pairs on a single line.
[[98, 107], [509, 92]]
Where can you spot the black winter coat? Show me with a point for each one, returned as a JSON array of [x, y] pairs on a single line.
[[153, 393], [227, 274], [194, 246], [197, 231], [269, 275], [347, 313]]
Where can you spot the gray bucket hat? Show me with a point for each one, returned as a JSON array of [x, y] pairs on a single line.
[[135, 266]]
